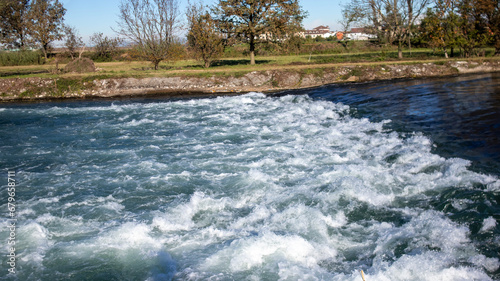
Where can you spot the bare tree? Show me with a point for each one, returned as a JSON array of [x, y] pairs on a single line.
[[73, 41], [352, 12], [414, 10], [393, 19], [363, 13], [399, 18], [204, 40], [151, 25]]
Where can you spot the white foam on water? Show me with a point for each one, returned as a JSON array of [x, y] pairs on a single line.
[[36, 241], [181, 217], [257, 188], [490, 264], [138, 123], [247, 254], [73, 226], [427, 231], [427, 266], [129, 245], [488, 224], [117, 207]]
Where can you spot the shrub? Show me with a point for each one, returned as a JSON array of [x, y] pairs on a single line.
[[21, 58], [80, 65], [105, 48]]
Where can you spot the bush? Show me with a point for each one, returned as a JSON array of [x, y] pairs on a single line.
[[105, 48], [21, 58], [80, 65], [236, 51]]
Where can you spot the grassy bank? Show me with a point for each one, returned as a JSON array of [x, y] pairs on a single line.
[[226, 66], [37, 81]]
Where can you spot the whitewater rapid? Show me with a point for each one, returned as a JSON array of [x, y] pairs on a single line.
[[235, 188]]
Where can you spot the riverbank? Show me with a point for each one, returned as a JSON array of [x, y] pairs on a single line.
[[191, 84]]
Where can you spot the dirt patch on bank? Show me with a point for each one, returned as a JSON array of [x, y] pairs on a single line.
[[13, 89]]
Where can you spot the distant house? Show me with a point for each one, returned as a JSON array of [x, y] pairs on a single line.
[[268, 36], [359, 34], [320, 31]]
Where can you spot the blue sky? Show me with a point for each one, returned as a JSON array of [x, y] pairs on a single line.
[[90, 16]]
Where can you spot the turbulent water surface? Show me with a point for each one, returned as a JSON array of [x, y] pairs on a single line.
[[397, 179]]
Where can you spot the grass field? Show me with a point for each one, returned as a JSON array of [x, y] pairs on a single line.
[[226, 66]]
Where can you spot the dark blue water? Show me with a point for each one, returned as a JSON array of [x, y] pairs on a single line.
[[460, 114], [398, 179]]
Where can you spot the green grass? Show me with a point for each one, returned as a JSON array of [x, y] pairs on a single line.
[[238, 66]]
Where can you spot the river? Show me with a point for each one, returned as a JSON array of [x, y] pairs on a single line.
[[399, 179]]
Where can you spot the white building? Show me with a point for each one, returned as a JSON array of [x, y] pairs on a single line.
[[359, 34], [320, 31]]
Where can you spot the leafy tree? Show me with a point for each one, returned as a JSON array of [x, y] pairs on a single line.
[[13, 23], [464, 24], [104, 47], [293, 44], [46, 22], [73, 40], [473, 29], [150, 24], [176, 50], [490, 9], [204, 40], [256, 21], [440, 26]]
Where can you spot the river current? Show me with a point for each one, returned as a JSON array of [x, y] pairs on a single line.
[[399, 179]]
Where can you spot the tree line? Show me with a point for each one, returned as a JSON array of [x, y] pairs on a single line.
[[442, 24], [152, 24], [153, 27], [25, 23]]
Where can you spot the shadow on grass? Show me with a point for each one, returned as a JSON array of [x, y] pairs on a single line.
[[229, 63], [238, 62], [375, 56], [22, 73], [147, 68]]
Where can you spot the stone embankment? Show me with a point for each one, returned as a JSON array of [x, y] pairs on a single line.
[[14, 89]]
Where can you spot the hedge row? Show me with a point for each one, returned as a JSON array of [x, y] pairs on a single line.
[[21, 58]]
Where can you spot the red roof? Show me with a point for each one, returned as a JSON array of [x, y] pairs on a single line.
[[357, 30], [322, 27], [319, 30]]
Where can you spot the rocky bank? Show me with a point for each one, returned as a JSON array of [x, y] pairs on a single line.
[[15, 89]]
